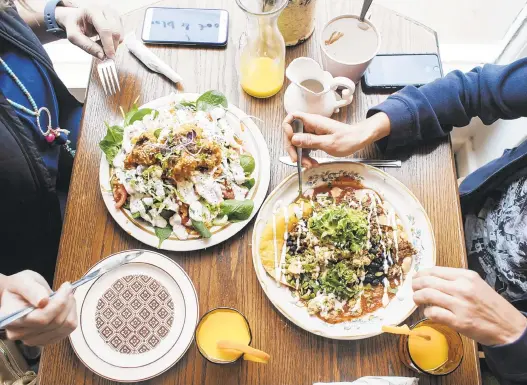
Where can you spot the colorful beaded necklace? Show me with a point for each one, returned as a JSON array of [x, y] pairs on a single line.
[[51, 133]]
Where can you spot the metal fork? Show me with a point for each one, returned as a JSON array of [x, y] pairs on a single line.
[[108, 75]]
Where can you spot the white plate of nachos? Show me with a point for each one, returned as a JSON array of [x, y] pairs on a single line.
[[339, 260]]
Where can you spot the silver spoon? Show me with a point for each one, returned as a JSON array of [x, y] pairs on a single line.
[[365, 7], [298, 128]]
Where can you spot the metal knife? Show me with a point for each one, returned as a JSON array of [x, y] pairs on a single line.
[[371, 162], [105, 268]]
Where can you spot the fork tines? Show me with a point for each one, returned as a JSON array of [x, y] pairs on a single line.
[[108, 75]]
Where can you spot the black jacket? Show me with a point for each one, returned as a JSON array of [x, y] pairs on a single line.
[[31, 220]]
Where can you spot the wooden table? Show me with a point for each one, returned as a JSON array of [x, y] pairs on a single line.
[[224, 275]]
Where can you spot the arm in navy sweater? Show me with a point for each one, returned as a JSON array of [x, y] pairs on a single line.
[[490, 92]]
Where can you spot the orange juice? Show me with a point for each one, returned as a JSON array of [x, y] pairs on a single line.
[[428, 355], [222, 324], [261, 77]]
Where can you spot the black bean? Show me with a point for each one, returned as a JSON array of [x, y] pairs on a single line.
[[375, 282], [368, 280]]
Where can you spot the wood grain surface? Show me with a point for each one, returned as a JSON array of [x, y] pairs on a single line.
[[224, 275]]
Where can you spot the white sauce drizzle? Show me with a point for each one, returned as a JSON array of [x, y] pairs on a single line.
[[275, 245], [373, 206], [278, 271], [394, 227], [385, 298]]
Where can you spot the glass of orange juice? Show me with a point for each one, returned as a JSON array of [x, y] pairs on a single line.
[[219, 324], [440, 355]]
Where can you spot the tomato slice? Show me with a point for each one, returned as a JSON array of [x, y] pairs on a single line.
[[119, 196]]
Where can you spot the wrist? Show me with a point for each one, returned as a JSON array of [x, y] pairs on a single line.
[[375, 128], [61, 14], [380, 126], [514, 329]]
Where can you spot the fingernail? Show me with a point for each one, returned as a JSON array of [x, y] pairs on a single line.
[[100, 55]]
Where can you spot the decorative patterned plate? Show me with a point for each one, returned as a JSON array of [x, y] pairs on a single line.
[[137, 321], [413, 217], [142, 231]]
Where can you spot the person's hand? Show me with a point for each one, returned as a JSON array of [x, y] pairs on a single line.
[[53, 319], [82, 23], [460, 299], [331, 136]]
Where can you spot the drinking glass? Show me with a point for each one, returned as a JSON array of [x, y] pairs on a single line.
[[455, 349], [200, 324], [262, 62]]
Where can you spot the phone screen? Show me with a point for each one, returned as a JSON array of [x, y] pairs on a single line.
[[402, 70], [185, 26]]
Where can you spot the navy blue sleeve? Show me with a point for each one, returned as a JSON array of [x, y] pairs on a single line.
[[508, 361], [491, 92]]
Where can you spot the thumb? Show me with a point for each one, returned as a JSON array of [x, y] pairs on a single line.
[[75, 36], [30, 290], [321, 142]]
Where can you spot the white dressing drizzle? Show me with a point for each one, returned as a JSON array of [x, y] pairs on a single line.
[[394, 226], [278, 270], [385, 299], [275, 245], [373, 208]]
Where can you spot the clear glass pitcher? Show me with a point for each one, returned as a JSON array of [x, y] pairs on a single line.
[[262, 61]]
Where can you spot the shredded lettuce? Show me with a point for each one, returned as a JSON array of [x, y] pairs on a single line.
[[342, 226]]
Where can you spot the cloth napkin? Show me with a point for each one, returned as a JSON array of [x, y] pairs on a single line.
[[377, 381], [149, 59]]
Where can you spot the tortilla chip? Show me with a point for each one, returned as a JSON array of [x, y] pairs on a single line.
[[267, 241]]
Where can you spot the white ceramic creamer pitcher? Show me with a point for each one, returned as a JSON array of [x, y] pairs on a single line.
[[314, 90]]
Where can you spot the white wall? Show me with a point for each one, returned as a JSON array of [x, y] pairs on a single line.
[[477, 144]]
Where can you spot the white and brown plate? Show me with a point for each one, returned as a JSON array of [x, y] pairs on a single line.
[[137, 321]]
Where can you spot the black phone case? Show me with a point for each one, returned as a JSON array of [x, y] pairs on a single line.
[[389, 88]]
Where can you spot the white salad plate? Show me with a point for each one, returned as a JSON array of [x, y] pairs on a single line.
[[254, 143], [414, 220], [137, 321]]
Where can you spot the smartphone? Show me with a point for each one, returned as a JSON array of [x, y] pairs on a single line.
[[393, 72], [186, 26]]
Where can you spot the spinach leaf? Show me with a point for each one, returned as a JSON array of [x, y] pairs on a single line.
[[140, 114], [129, 115], [237, 210], [191, 105], [247, 163], [201, 229], [249, 183], [111, 143], [162, 233], [136, 215], [210, 100]]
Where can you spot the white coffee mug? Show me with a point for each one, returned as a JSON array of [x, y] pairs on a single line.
[[351, 70]]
